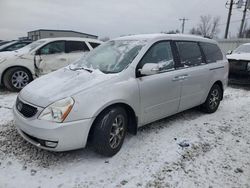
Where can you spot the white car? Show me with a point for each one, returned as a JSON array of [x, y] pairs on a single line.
[[119, 86], [20, 67]]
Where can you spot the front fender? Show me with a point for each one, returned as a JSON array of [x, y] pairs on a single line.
[[91, 103], [16, 62]]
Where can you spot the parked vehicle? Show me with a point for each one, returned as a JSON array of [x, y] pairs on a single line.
[[239, 61], [4, 42], [121, 85], [14, 45], [18, 68]]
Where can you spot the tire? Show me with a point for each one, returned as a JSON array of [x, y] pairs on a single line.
[[16, 78], [109, 131], [213, 99]]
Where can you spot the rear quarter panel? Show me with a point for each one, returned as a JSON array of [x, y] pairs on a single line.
[[219, 72]]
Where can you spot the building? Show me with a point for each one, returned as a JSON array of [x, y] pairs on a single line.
[[46, 33]]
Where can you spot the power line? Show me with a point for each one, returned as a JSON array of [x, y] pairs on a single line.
[[183, 24]]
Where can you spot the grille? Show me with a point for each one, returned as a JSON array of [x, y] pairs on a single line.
[[26, 110], [238, 65]]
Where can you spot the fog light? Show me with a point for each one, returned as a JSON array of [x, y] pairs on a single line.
[[50, 144]]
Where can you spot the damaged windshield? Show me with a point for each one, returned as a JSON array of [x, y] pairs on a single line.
[[111, 57]]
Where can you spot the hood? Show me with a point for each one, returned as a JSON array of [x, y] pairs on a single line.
[[8, 54], [12, 54], [241, 56], [61, 84]]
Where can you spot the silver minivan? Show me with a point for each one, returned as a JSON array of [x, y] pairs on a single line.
[[121, 85]]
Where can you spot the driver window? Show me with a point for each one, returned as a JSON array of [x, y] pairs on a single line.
[[53, 48], [160, 53]]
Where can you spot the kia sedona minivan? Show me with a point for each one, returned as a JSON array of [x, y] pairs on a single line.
[[18, 68], [121, 85]]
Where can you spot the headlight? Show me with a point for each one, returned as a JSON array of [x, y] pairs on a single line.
[[248, 66], [2, 60], [58, 111]]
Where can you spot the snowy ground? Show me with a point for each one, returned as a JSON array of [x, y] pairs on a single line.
[[217, 153]]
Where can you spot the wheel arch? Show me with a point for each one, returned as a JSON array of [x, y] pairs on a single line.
[[16, 66], [132, 118]]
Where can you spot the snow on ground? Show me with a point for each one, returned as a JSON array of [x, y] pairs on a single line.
[[215, 152]]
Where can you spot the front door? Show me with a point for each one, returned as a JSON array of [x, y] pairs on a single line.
[[160, 93], [51, 57]]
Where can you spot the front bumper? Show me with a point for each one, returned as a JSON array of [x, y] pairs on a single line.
[[68, 136]]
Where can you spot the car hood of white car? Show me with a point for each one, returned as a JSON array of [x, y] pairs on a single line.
[[240, 56], [8, 54], [11, 54], [61, 84]]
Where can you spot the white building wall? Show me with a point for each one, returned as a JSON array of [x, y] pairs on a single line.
[[231, 44]]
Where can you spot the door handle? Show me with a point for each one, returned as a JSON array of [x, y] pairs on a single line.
[[181, 77], [185, 76], [177, 78], [63, 59]]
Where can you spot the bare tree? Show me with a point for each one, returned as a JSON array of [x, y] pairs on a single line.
[[215, 27], [195, 31], [171, 32], [205, 25], [208, 26]]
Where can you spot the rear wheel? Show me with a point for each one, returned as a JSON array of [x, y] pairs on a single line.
[[16, 78], [109, 131], [213, 99]]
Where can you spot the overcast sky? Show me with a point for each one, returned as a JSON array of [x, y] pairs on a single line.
[[108, 17]]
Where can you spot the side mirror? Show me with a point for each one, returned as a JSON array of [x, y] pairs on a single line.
[[229, 52], [38, 52], [149, 69]]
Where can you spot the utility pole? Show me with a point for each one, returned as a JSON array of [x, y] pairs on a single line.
[[243, 19], [183, 24], [229, 18]]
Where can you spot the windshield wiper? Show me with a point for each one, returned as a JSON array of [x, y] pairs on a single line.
[[80, 68]]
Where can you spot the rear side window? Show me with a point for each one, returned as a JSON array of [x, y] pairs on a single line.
[[93, 44], [212, 52], [190, 54], [76, 46]]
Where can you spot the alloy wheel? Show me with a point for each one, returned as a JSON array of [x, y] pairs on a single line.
[[20, 79], [117, 131], [214, 99]]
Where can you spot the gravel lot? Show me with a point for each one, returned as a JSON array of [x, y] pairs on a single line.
[[190, 149]]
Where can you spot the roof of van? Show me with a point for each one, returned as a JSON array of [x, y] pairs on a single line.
[[71, 39], [162, 36]]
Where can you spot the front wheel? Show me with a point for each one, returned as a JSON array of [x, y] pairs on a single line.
[[109, 131], [16, 78], [213, 99]]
